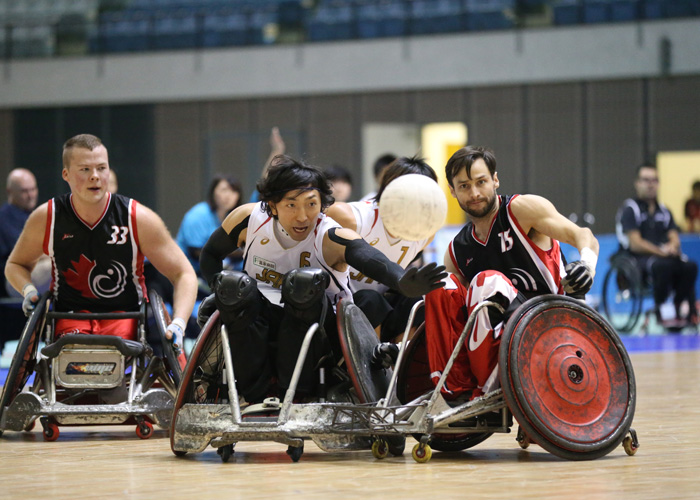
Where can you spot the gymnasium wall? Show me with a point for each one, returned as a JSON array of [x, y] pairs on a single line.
[[569, 112]]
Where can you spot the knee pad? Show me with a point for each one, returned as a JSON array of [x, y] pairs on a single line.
[[237, 298], [304, 292]]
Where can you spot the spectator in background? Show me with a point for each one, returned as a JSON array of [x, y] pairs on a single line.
[[380, 165], [113, 184], [692, 210], [646, 229], [341, 182], [22, 195], [277, 147], [225, 194]]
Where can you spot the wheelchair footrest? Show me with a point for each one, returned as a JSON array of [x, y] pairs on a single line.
[[128, 348]]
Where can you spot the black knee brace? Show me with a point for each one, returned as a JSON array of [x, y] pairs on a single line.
[[237, 298], [304, 292]]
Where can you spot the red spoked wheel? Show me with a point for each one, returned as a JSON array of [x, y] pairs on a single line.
[[413, 380], [567, 378]]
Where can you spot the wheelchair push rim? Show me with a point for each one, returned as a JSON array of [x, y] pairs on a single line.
[[567, 378], [24, 359], [207, 350], [162, 320]]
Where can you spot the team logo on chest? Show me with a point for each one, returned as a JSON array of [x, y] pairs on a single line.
[[95, 283]]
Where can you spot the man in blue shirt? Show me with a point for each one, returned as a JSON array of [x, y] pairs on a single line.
[[22, 194]]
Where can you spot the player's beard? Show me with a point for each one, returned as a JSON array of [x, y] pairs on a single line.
[[477, 214]]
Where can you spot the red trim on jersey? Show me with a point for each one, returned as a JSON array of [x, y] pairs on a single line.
[[493, 221], [47, 233], [318, 222], [261, 225], [454, 258], [104, 212], [550, 258], [140, 258], [135, 230], [376, 218]]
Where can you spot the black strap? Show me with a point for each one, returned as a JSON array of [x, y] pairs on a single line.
[[218, 246], [369, 261]]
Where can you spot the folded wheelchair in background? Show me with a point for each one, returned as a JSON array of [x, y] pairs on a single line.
[[82, 379]]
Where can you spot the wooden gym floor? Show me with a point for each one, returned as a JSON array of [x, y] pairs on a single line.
[[111, 462]]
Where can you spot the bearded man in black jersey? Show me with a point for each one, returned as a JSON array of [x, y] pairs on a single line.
[[507, 252]]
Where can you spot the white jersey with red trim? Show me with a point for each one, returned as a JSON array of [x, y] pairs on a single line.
[[267, 260], [371, 228], [95, 267], [509, 250]]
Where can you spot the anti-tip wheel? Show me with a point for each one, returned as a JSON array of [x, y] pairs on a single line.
[[144, 430], [295, 452], [422, 453], [523, 439], [51, 432], [380, 449]]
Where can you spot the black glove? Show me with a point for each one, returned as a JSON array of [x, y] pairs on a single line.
[[384, 355], [417, 282], [578, 280], [206, 309]]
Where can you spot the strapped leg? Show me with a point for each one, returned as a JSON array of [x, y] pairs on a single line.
[[249, 318], [305, 303]]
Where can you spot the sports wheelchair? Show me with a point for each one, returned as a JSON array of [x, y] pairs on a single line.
[[82, 379], [625, 288], [565, 376]]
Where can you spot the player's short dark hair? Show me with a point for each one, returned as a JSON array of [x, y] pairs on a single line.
[[646, 164], [84, 141], [402, 166], [696, 186], [381, 163], [233, 184], [338, 173], [465, 157], [287, 174]]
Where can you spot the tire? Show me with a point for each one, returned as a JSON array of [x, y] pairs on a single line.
[[567, 378], [623, 295], [207, 357], [24, 359], [162, 319]]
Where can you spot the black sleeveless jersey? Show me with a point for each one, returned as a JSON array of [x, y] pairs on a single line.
[[509, 250], [96, 268]]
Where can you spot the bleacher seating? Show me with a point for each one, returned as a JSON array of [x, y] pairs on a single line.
[[31, 28]]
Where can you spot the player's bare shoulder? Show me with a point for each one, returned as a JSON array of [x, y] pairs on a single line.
[[343, 214], [237, 216]]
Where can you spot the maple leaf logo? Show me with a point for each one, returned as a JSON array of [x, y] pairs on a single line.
[[79, 277]]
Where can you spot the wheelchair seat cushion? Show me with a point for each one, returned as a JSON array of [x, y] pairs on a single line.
[[126, 347]]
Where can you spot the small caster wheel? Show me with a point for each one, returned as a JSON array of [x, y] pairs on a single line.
[[397, 445], [380, 449], [51, 432], [30, 426], [225, 452], [295, 452], [179, 453], [630, 443], [523, 439], [144, 430], [422, 453]]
